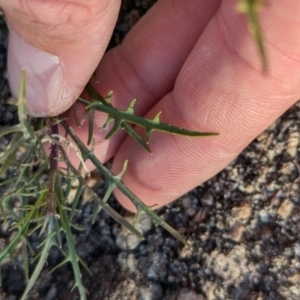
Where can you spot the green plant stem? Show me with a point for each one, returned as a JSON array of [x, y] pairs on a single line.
[[86, 154], [53, 171], [101, 203]]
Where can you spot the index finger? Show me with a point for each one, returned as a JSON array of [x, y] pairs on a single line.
[[219, 88]]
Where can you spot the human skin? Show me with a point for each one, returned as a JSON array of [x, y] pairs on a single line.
[[197, 63], [75, 32]]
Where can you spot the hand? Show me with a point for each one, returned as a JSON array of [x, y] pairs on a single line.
[[196, 62], [71, 37]]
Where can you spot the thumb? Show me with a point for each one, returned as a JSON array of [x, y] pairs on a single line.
[[59, 44]]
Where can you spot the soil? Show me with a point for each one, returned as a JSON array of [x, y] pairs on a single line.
[[242, 225]]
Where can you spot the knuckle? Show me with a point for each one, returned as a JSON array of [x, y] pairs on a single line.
[[53, 19]]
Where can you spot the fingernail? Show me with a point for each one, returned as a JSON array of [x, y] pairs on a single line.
[[44, 76]]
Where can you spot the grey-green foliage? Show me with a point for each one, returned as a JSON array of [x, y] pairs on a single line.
[[42, 204]]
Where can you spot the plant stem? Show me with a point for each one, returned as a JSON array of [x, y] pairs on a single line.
[[53, 171], [54, 150]]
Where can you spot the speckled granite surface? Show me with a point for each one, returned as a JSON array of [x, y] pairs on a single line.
[[243, 227]]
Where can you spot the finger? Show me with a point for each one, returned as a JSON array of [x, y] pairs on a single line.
[[220, 88], [146, 64], [59, 44]]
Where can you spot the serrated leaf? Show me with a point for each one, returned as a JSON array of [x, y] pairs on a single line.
[[72, 255], [121, 117], [119, 184]]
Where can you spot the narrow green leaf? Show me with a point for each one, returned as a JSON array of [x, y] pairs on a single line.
[[12, 149], [96, 97], [135, 135], [65, 261], [72, 255], [22, 101], [121, 116], [25, 258], [44, 226], [107, 98], [10, 129], [34, 229], [69, 179], [8, 180], [38, 269], [86, 267], [57, 230], [8, 249], [107, 122], [26, 128], [251, 9], [114, 129], [76, 227], [91, 113], [78, 194], [124, 168], [97, 207], [9, 162]]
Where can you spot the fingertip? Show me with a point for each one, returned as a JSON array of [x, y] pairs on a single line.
[[59, 44], [45, 89]]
